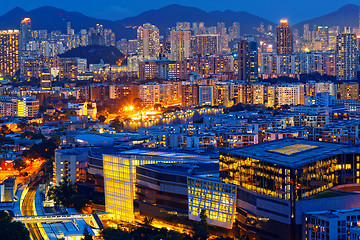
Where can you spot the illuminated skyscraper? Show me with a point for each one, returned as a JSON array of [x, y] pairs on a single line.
[[180, 45], [346, 56], [9, 52], [148, 41], [284, 38], [25, 28], [236, 29], [68, 28], [248, 61]]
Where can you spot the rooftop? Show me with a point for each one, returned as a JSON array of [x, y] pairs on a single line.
[[335, 213], [293, 152], [163, 154], [194, 168]]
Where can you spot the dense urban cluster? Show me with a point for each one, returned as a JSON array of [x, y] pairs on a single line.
[[199, 132]]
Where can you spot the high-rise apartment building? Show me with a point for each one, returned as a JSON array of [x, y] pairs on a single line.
[[45, 80], [348, 91], [236, 30], [346, 56], [180, 45], [291, 94], [67, 165], [148, 41], [222, 94], [206, 95], [25, 28], [284, 38], [206, 44], [68, 69], [248, 61], [26, 107], [190, 95], [9, 52]]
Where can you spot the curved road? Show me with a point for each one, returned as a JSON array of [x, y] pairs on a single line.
[[27, 209]]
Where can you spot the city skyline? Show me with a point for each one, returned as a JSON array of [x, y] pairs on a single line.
[[271, 11], [180, 124]]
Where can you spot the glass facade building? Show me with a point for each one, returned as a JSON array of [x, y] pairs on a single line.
[[120, 177], [278, 181], [291, 177], [213, 196]]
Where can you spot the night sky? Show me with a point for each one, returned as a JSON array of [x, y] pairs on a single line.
[[294, 10]]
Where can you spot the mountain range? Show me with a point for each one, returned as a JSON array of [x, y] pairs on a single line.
[[52, 18]]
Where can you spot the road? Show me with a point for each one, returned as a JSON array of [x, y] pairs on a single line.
[[28, 210]]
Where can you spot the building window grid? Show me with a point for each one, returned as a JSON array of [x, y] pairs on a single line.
[[119, 175], [216, 198]]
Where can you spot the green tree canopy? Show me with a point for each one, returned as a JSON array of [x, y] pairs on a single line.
[[66, 195], [12, 230]]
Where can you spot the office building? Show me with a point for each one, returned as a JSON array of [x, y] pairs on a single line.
[[180, 45], [148, 41], [248, 61], [9, 52], [284, 38], [346, 56]]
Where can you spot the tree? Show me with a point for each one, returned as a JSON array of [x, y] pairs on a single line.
[[12, 230], [223, 238], [63, 194], [55, 138], [68, 113], [45, 149], [4, 130], [19, 164], [244, 237], [23, 125], [115, 234], [87, 235], [47, 118], [6, 140], [117, 124], [102, 118], [66, 195], [147, 221], [201, 231]]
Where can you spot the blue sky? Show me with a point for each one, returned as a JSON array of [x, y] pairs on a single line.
[[294, 10]]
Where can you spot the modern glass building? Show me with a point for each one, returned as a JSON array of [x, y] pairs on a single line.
[[120, 177], [278, 181], [162, 190], [213, 196]]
